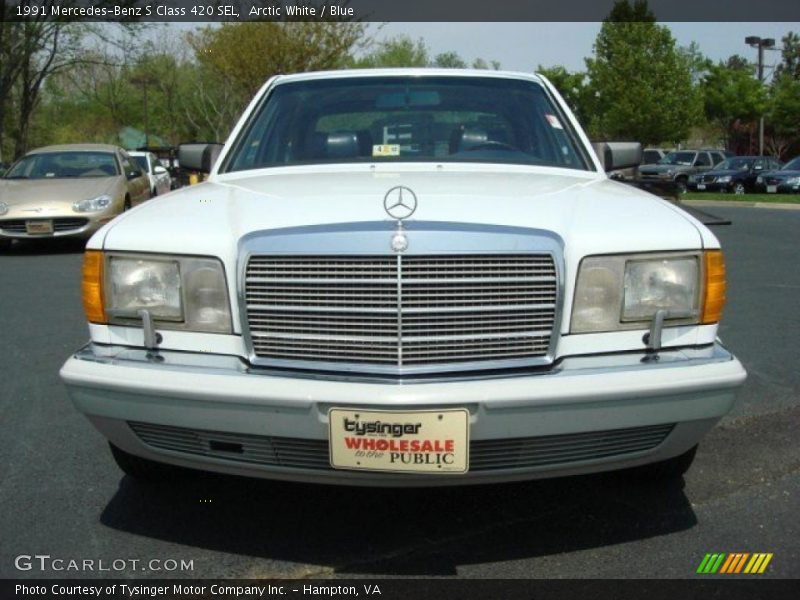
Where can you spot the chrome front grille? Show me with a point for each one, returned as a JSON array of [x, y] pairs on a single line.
[[401, 311], [59, 224], [485, 455]]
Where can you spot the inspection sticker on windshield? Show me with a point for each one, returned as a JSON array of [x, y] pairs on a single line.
[[553, 120], [435, 441], [386, 150]]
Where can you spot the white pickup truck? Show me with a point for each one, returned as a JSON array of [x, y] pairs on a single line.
[[405, 277]]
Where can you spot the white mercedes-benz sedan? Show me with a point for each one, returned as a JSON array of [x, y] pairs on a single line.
[[405, 277]]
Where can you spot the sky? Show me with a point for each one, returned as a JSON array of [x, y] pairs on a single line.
[[524, 46]]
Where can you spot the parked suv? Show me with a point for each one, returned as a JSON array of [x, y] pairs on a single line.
[[678, 165]]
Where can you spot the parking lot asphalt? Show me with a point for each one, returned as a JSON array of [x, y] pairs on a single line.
[[63, 496]]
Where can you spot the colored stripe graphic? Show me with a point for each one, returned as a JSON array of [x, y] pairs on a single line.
[[734, 563], [711, 563], [727, 564]]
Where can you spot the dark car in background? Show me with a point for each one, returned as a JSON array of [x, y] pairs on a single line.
[[736, 175], [678, 165], [785, 180]]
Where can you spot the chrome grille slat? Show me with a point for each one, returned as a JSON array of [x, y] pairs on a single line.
[[485, 455], [410, 311]]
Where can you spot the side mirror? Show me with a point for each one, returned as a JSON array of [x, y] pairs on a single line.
[[133, 174], [198, 157], [158, 170], [618, 155]]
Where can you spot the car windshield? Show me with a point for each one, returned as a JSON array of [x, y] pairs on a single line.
[[56, 165], [141, 162], [678, 158], [736, 164], [792, 165], [403, 119]]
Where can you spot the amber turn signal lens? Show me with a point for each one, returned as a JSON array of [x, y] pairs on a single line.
[[714, 299], [92, 287]]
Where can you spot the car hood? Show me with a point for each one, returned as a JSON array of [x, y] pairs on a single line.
[[52, 194], [781, 174], [591, 213], [652, 169], [725, 172]]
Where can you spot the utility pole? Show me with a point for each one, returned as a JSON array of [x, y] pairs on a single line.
[[757, 42]]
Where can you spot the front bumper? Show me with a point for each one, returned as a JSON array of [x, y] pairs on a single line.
[[561, 413], [63, 226], [783, 188], [692, 186]]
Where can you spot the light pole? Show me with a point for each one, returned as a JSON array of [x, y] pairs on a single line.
[[757, 42]]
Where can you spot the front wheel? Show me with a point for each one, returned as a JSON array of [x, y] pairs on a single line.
[[666, 470], [738, 189], [680, 185]]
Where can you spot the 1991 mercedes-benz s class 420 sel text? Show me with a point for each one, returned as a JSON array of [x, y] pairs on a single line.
[[413, 277]]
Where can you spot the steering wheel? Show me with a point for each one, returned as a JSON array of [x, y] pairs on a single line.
[[491, 144]]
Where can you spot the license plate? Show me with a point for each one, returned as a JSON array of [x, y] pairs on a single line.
[[772, 189], [701, 186], [39, 226], [435, 441]]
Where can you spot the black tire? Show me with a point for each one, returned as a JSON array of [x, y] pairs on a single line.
[[127, 205], [739, 189], [680, 185], [666, 470], [143, 469], [154, 192]]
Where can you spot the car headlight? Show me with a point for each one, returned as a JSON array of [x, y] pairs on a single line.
[[93, 204], [3, 208], [789, 181], [724, 179], [179, 292], [624, 292]]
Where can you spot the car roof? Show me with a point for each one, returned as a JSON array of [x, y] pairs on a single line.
[[76, 148], [407, 72]]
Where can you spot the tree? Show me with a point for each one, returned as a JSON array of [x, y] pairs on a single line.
[[449, 60], [245, 55], [697, 62], [641, 83], [790, 57], [784, 114], [732, 96], [573, 87], [400, 51]]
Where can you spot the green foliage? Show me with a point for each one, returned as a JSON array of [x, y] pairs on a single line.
[[784, 115], [642, 85], [732, 94], [449, 60], [790, 56], [247, 54], [400, 51], [573, 87]]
